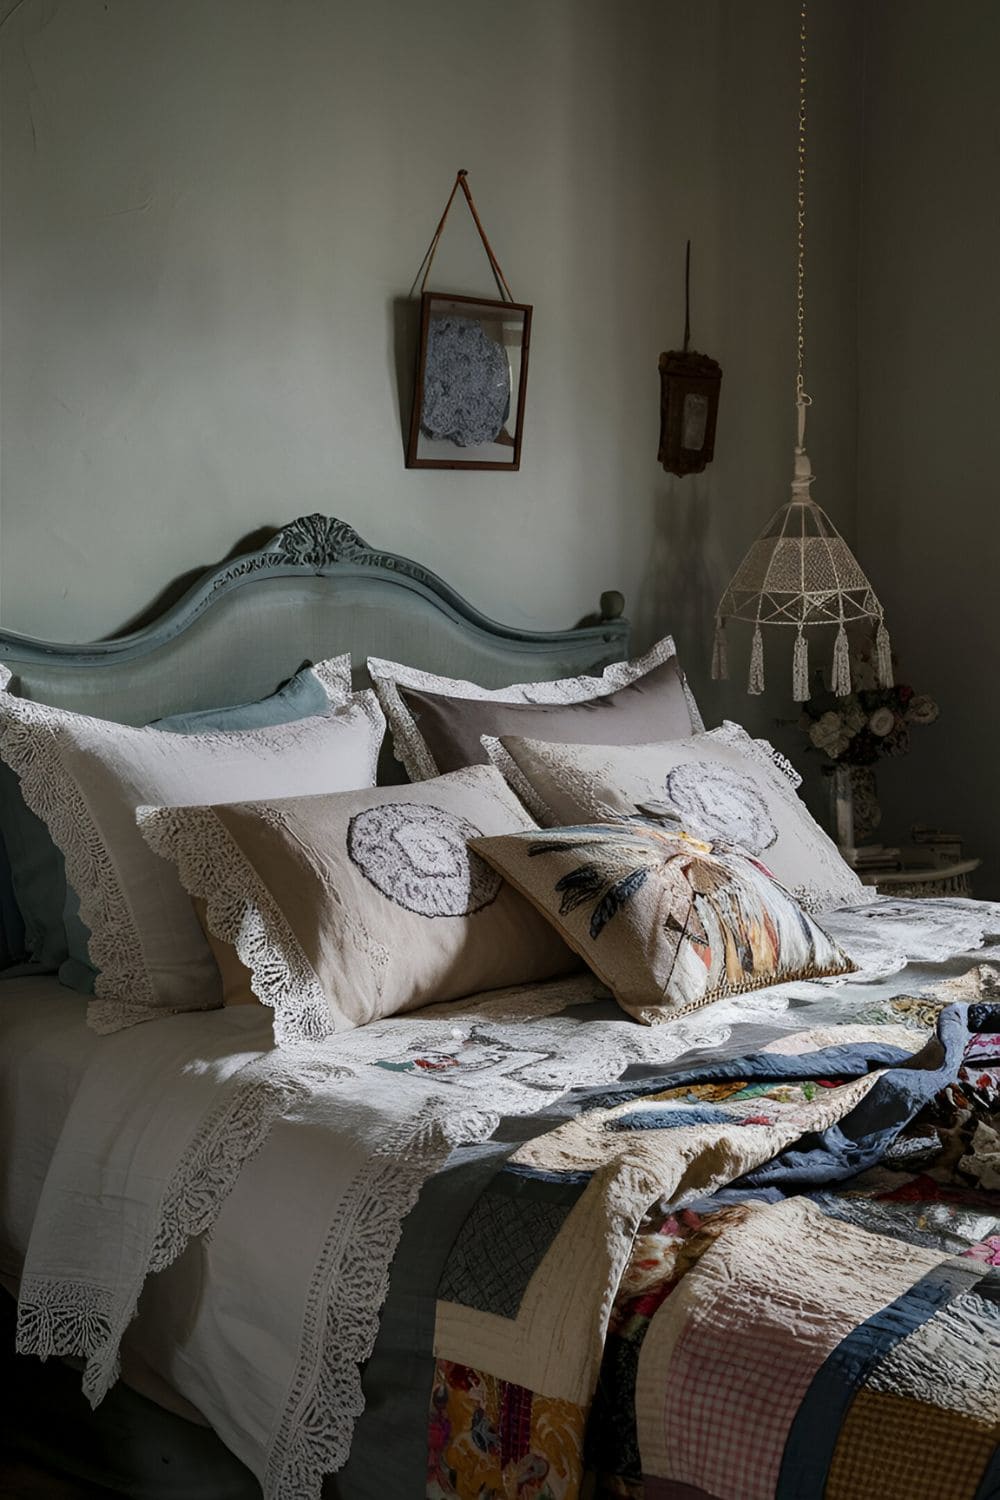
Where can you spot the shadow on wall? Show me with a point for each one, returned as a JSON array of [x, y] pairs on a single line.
[[167, 596], [681, 583]]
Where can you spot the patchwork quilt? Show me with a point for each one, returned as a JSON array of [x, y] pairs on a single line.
[[522, 1248], [767, 1275]]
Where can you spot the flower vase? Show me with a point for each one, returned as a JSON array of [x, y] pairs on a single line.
[[864, 796], [842, 806], [854, 804]]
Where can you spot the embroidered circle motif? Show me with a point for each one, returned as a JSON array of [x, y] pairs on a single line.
[[418, 857], [722, 803]]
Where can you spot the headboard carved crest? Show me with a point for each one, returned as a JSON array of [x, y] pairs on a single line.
[[318, 541]]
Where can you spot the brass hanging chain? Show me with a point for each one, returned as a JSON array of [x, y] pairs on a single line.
[[802, 400]]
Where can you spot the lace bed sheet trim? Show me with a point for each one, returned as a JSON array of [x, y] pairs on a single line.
[[961, 925], [345, 1299], [409, 745], [74, 1318], [241, 911]]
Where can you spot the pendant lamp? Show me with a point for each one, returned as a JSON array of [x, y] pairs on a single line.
[[800, 572]]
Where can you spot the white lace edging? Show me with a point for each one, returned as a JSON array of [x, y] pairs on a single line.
[[346, 1295], [334, 676], [409, 745], [241, 911], [61, 1318], [888, 933], [29, 745], [56, 1317], [517, 781], [761, 751]]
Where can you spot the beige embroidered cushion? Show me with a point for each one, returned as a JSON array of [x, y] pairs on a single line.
[[352, 906], [85, 777], [667, 921], [722, 785]]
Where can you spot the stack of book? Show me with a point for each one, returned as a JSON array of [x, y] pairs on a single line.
[[941, 848], [874, 857]]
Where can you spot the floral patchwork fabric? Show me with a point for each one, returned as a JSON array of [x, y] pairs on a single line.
[[874, 1337]]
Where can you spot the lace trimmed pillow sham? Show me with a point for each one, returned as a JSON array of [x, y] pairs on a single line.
[[352, 906], [437, 722], [721, 785], [85, 777], [54, 935], [667, 921]]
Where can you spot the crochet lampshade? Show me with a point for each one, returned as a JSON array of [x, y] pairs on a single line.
[[802, 574]]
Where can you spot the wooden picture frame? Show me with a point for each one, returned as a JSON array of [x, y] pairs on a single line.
[[471, 383], [689, 407]]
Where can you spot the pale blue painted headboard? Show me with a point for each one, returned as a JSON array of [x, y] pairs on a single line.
[[314, 590]]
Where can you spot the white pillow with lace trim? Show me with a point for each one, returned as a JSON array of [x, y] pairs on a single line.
[[410, 746], [722, 785], [85, 777]]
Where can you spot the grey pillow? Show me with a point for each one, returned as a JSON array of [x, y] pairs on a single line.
[[653, 707]]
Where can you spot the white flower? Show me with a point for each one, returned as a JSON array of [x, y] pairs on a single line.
[[922, 710], [854, 715], [829, 733], [882, 722]]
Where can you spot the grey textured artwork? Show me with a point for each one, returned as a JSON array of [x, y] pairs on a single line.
[[721, 803], [466, 383], [418, 856]]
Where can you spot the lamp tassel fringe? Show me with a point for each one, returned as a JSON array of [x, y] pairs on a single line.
[[883, 656], [800, 669], [755, 685], [720, 655]]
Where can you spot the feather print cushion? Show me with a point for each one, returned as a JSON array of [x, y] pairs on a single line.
[[668, 921]]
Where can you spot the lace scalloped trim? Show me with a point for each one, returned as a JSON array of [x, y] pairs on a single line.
[[761, 751], [228, 1139], [334, 675], [29, 745], [76, 1318], [348, 1289], [517, 781], [241, 911], [409, 745], [61, 1318]]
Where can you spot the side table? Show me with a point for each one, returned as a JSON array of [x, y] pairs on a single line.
[[923, 880]]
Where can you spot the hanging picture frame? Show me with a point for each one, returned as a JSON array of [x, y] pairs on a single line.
[[472, 370]]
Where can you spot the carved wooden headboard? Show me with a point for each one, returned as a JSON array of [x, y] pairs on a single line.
[[313, 590]]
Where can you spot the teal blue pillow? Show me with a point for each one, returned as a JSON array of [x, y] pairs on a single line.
[[55, 937], [301, 697]]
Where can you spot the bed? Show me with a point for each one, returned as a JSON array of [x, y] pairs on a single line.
[[515, 1244]]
